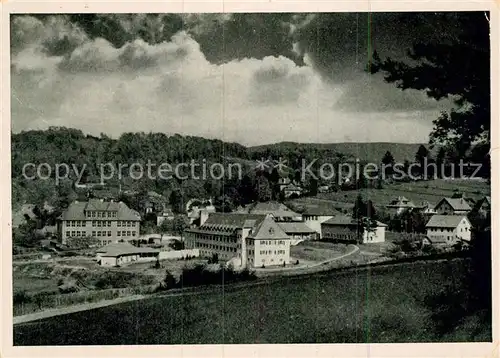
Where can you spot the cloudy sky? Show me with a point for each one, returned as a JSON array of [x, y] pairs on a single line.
[[250, 78]]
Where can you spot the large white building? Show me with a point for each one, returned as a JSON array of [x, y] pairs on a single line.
[[107, 221], [314, 217], [448, 229], [253, 240]]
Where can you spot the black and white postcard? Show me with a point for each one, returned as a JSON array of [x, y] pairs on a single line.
[[216, 178]]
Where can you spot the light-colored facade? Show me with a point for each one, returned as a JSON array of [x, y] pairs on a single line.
[[167, 214], [118, 254], [315, 217], [399, 205], [298, 231], [253, 240], [448, 229], [107, 221]]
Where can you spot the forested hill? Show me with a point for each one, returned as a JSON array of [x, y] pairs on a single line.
[[369, 152], [59, 145], [66, 145]]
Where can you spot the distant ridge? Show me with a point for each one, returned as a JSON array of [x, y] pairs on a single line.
[[365, 151]]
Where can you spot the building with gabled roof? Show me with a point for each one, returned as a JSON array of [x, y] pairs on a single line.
[[448, 229], [399, 205], [254, 239], [452, 206], [119, 253], [280, 212], [315, 216], [108, 221], [344, 228], [297, 231], [483, 206]]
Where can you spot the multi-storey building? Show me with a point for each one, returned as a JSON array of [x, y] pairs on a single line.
[[448, 229], [253, 240], [315, 216], [107, 221]]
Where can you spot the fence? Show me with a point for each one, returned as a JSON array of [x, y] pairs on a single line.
[[39, 302], [179, 254]]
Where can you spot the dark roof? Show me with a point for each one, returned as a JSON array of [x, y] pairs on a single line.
[[270, 207], [456, 203], [448, 221], [262, 226], [76, 210], [268, 230], [320, 211], [400, 202], [296, 227], [232, 219], [344, 220]]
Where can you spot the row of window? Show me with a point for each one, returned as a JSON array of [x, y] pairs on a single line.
[[270, 252], [126, 233], [310, 217], [76, 223], [272, 242], [76, 233], [101, 214], [448, 229], [215, 247], [218, 238], [99, 233], [100, 223], [340, 236]]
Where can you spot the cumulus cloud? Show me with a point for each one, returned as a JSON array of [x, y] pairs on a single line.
[[132, 83]]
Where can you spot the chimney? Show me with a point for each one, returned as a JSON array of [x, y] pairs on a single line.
[[203, 216]]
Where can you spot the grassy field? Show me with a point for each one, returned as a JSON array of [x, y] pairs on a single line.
[[431, 191], [377, 305], [317, 251]]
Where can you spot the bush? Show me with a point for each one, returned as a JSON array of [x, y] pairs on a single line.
[[21, 297], [169, 281], [200, 275], [68, 288]]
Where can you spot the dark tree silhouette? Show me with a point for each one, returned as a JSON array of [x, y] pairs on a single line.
[[458, 66]]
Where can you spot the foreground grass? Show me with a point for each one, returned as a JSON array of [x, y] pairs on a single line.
[[378, 305]]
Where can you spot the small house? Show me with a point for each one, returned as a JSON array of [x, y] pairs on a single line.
[[399, 205], [452, 206], [120, 253]]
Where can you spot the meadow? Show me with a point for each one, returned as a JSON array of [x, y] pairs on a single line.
[[430, 191], [385, 304]]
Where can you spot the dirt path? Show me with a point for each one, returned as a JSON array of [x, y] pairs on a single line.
[[309, 266], [189, 292]]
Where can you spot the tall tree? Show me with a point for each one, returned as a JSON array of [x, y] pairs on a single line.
[[422, 158], [176, 202], [440, 162], [458, 66], [388, 161], [263, 188], [359, 209]]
